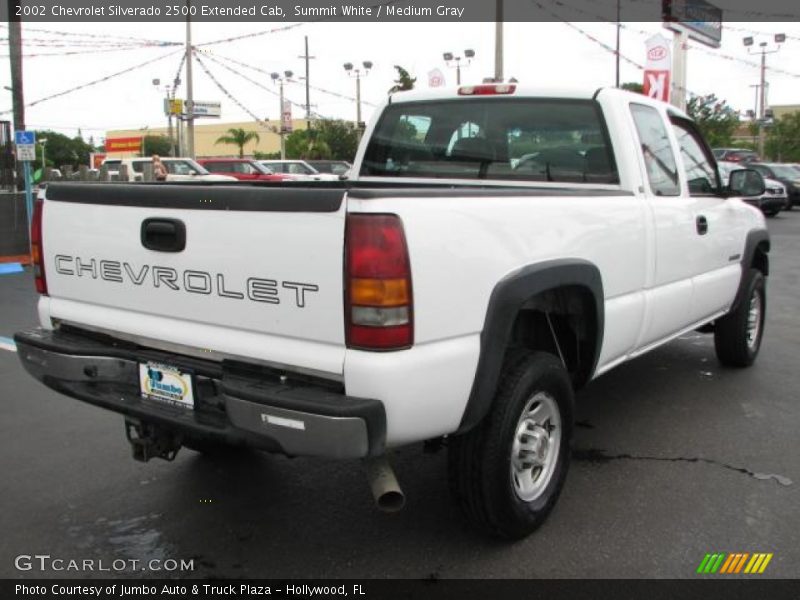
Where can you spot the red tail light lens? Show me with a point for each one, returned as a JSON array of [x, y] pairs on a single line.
[[37, 248], [379, 299], [487, 89]]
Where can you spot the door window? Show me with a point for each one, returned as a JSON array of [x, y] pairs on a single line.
[[701, 173], [659, 160]]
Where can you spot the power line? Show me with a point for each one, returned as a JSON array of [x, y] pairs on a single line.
[[94, 82], [98, 36], [224, 90]]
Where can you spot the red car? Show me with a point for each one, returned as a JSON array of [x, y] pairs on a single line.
[[243, 169]]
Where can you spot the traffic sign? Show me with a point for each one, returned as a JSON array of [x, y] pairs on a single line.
[[25, 137], [26, 152]]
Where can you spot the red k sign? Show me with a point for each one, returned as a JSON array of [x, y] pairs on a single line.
[[656, 84]]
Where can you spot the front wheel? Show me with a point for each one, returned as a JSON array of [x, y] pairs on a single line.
[[506, 473], [737, 335]]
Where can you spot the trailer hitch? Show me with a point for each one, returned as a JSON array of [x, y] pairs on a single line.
[[151, 441]]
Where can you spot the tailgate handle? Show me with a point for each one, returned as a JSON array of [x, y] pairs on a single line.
[[164, 235]]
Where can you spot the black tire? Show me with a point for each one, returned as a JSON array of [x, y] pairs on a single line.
[[480, 461], [772, 213], [736, 345]]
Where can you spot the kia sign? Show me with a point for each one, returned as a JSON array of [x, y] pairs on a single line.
[[286, 117], [435, 78], [657, 72]]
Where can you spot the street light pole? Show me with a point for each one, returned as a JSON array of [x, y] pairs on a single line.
[[277, 78], [449, 58], [357, 73], [43, 141], [779, 38]]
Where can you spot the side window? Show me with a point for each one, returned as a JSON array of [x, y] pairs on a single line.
[[659, 159], [138, 166], [700, 171], [213, 167]]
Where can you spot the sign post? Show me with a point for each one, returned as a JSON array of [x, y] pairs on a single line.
[[25, 142]]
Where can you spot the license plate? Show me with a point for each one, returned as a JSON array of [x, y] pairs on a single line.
[[166, 384]]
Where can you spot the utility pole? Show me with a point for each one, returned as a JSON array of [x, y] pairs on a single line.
[[189, 88], [498, 43], [762, 109], [306, 57]]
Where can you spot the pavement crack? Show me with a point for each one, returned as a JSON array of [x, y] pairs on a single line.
[[596, 455]]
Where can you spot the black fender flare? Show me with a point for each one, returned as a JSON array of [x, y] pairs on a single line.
[[505, 302], [755, 238]]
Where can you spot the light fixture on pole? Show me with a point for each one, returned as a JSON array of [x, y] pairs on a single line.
[[358, 73], [454, 61], [748, 42], [284, 126], [43, 141]]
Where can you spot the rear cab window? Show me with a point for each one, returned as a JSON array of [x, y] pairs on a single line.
[[531, 139]]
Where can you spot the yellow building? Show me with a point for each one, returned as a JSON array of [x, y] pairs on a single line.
[[784, 109], [208, 131]]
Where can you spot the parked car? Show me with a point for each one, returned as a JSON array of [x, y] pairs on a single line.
[[332, 167], [178, 169], [243, 169], [735, 154], [297, 169], [771, 202], [785, 173]]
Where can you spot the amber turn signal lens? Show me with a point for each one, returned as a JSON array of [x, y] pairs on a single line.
[[379, 292]]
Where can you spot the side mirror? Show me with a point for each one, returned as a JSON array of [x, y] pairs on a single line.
[[746, 182]]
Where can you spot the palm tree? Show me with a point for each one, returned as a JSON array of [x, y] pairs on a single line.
[[403, 82], [238, 137]]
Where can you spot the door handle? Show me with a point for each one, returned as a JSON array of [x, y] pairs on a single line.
[[702, 225], [163, 235]]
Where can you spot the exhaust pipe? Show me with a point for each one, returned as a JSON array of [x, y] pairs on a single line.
[[385, 489]]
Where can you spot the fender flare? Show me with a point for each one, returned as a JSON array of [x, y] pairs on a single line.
[[755, 238], [506, 300]]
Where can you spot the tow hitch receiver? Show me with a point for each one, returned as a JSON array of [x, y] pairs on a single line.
[[150, 441]]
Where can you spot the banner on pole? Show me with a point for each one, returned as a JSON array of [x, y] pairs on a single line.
[[657, 72]]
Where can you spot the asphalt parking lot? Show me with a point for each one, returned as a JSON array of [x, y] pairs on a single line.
[[674, 457]]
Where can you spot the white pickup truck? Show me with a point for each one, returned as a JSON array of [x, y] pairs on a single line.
[[495, 248]]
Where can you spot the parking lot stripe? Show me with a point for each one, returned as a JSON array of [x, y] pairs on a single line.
[[7, 344]]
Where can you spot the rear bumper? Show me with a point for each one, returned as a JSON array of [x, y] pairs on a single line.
[[236, 403]]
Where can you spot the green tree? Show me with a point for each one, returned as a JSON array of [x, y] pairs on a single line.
[[156, 144], [633, 86], [783, 139], [403, 82], [715, 119], [61, 150], [237, 136], [341, 137]]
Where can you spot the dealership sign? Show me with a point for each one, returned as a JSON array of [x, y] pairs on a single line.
[[204, 109], [700, 20], [657, 70]]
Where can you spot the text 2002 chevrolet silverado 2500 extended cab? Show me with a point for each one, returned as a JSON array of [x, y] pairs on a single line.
[[495, 248]]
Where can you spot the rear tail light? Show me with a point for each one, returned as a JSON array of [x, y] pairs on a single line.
[[37, 249], [378, 296]]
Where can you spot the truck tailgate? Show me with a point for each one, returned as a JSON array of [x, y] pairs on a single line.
[[260, 275]]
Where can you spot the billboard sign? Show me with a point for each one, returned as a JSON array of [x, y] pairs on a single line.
[[124, 144], [699, 19], [657, 72]]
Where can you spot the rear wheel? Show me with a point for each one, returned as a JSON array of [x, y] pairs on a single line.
[[506, 473], [737, 335]]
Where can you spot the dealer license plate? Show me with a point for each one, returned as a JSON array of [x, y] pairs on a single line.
[[166, 384]]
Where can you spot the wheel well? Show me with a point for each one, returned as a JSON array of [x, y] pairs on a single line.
[[562, 321], [761, 258]]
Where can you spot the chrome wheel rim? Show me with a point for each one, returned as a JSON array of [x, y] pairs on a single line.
[[536, 447], [754, 320]]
